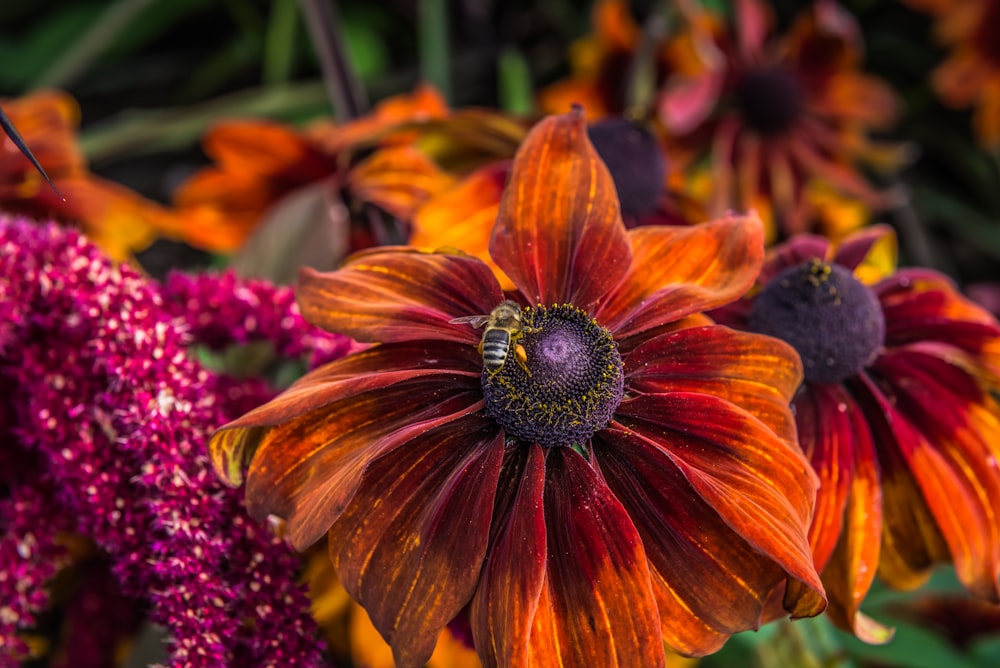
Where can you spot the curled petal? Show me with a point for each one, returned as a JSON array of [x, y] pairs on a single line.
[[513, 575], [761, 486], [597, 605], [410, 545], [400, 294], [708, 581], [757, 373], [559, 234], [678, 271]]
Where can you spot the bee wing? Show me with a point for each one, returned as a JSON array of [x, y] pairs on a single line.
[[474, 320]]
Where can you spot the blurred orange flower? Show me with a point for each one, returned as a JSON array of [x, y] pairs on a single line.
[[775, 114], [971, 74], [117, 219], [408, 149]]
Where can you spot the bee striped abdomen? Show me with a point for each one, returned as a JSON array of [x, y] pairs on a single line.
[[496, 343]]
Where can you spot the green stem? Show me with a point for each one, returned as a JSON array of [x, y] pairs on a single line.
[[279, 45], [342, 84], [434, 47], [89, 47], [141, 133]]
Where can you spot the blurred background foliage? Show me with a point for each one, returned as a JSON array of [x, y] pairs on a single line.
[[151, 76]]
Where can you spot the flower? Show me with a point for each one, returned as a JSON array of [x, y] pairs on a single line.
[[625, 478], [602, 65], [971, 74], [775, 114], [896, 415], [394, 158], [119, 220], [105, 421]]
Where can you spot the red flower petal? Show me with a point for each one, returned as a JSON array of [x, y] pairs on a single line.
[[761, 486], [957, 422], [513, 575], [597, 605], [410, 545], [929, 510], [400, 294], [709, 582], [233, 445], [559, 234], [757, 373], [846, 531], [678, 271]]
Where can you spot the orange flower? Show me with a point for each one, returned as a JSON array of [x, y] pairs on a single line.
[[601, 63], [608, 473], [404, 152], [117, 219], [971, 74], [776, 114]]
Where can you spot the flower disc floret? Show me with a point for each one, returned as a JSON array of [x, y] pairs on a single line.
[[771, 100], [569, 386], [833, 321]]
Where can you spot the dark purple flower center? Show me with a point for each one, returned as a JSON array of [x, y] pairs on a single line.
[[833, 321], [635, 161], [564, 383], [770, 100]]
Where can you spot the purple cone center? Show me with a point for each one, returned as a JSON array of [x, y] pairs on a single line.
[[770, 100], [561, 382], [832, 320], [635, 161]]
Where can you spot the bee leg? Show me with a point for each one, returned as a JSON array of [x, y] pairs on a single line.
[[521, 355]]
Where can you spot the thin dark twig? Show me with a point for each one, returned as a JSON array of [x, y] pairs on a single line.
[[15, 136], [347, 95]]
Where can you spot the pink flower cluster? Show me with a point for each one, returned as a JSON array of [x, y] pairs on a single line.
[[105, 421]]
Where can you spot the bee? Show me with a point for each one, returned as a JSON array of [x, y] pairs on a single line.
[[503, 329]]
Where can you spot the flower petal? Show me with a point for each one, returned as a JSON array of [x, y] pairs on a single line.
[[397, 179], [233, 445], [757, 373], [410, 545], [400, 294], [559, 234], [760, 485], [708, 580], [463, 216], [871, 253], [846, 529], [678, 271], [930, 514], [952, 412], [513, 575], [597, 605]]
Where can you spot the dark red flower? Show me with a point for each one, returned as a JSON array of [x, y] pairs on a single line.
[[625, 479], [898, 414]]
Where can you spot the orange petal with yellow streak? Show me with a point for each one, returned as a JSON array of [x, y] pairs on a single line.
[[559, 234], [679, 271]]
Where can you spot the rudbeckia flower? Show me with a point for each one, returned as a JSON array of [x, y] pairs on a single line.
[[898, 414], [625, 477], [971, 74], [117, 219], [775, 113], [409, 148]]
